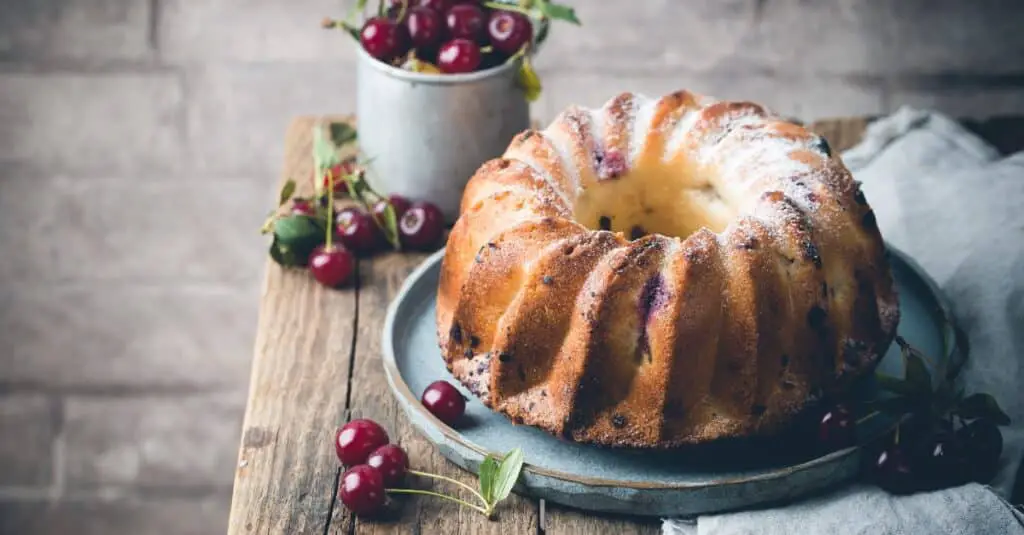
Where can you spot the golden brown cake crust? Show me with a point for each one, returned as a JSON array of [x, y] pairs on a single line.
[[661, 272]]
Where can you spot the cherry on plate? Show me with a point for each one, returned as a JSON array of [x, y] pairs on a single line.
[[892, 471], [837, 429], [361, 489], [467, 21], [392, 463], [354, 441], [421, 226], [983, 445], [357, 230], [941, 461], [384, 39], [459, 56], [444, 401], [331, 266], [509, 31]]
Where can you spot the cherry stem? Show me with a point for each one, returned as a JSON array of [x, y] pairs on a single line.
[[402, 10], [896, 439], [330, 209], [439, 495], [867, 417], [509, 7], [450, 480]]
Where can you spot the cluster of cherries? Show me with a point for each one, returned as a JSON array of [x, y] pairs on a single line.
[[374, 464], [919, 456], [458, 36], [420, 227]]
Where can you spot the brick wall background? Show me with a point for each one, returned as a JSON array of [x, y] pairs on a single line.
[[139, 142]]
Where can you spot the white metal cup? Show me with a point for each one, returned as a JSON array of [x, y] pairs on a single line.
[[424, 135]]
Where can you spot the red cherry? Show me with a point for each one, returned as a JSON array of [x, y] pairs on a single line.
[[425, 29], [983, 445], [361, 489], [893, 472], [444, 401], [392, 463], [466, 21], [421, 226], [400, 204], [441, 6], [837, 429], [941, 461], [332, 266], [458, 56], [357, 230], [509, 30], [384, 39], [354, 441]]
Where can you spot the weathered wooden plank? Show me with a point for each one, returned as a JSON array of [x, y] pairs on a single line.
[[286, 470], [560, 520], [381, 277]]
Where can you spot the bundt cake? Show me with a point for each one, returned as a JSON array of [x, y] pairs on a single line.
[[663, 272]]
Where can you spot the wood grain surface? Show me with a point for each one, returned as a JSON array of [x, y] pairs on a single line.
[[317, 363]]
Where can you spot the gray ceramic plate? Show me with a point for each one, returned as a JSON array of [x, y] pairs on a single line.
[[683, 482]]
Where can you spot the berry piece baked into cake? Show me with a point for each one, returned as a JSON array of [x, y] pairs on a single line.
[[663, 272]]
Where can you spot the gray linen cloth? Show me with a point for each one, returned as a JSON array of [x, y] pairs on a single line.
[[949, 200]]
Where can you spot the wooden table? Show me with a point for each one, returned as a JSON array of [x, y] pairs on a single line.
[[317, 362]]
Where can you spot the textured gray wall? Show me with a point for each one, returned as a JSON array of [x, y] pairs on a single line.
[[139, 142]]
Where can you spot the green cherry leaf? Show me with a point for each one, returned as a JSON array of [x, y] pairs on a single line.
[[528, 80], [488, 475], [268, 222], [286, 192], [895, 385], [982, 406], [896, 406], [559, 12], [298, 235], [341, 134], [351, 30], [276, 254], [296, 228], [508, 474], [390, 227], [325, 154], [917, 373], [284, 256], [505, 6]]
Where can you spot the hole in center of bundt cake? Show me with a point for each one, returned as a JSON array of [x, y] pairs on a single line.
[[670, 199]]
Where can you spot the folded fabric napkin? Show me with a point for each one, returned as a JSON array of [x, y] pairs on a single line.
[[946, 198]]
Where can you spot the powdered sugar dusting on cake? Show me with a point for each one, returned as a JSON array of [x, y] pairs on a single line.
[[577, 125], [749, 156], [680, 133], [641, 126], [542, 171], [549, 195]]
